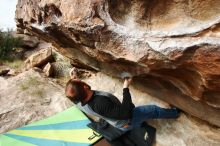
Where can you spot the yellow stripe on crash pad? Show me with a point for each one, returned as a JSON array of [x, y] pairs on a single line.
[[79, 135]]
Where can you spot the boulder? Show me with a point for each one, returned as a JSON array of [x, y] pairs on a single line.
[[39, 58], [60, 69], [171, 47], [48, 69], [29, 97]]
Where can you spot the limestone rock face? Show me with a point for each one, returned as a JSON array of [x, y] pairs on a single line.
[[29, 97], [172, 47]]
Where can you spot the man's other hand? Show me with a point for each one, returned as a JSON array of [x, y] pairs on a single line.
[[73, 73]]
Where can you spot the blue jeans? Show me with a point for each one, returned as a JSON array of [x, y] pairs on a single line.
[[143, 113]]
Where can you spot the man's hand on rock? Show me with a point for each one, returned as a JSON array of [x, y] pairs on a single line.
[[127, 82]]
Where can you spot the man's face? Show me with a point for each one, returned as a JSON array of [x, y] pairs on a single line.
[[77, 93], [70, 92]]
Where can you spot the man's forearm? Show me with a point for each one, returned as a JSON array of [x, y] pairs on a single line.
[[127, 101]]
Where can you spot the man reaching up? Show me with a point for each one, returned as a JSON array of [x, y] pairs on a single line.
[[122, 115]]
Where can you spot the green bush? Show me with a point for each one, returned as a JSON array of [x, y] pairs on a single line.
[[8, 43]]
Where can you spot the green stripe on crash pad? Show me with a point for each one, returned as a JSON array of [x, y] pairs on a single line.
[[7, 141], [69, 115], [67, 128], [44, 142]]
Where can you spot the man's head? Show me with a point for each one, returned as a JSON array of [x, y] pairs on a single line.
[[78, 91]]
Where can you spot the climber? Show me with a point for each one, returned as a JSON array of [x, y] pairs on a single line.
[[123, 115]]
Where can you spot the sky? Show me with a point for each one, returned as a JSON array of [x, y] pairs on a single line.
[[7, 14]]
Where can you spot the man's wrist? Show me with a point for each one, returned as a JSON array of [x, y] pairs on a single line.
[[125, 90], [125, 86]]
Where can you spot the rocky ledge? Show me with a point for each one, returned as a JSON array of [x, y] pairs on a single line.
[[172, 47]]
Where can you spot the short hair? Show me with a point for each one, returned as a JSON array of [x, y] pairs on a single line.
[[78, 88]]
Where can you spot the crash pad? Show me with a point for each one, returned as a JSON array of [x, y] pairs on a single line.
[[67, 128]]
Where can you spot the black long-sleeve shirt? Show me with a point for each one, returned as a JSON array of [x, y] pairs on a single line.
[[113, 108]]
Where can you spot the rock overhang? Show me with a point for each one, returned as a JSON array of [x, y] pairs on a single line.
[[168, 45]]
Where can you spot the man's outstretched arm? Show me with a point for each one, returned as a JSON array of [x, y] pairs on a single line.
[[107, 108], [127, 101]]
